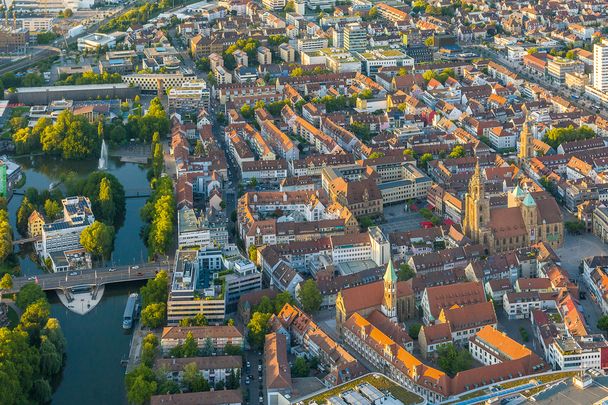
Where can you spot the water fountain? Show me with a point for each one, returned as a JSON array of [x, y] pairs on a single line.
[[103, 157]]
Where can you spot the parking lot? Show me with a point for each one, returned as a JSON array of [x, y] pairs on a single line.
[[398, 220]]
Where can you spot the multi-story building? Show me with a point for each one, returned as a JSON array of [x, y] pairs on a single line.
[[192, 289], [558, 67], [264, 55], [219, 336], [37, 24], [64, 234], [287, 53], [373, 60], [274, 4], [153, 82], [490, 346], [213, 368], [191, 95], [355, 37], [14, 40], [311, 44], [600, 66], [578, 352]]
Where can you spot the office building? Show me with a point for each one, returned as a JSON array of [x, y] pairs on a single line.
[[355, 37]]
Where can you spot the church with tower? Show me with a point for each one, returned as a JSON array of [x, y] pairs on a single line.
[[388, 298], [527, 218]]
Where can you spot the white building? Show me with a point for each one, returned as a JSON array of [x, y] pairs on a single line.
[[64, 235], [576, 352], [355, 37], [192, 94], [600, 66], [373, 60], [92, 42]]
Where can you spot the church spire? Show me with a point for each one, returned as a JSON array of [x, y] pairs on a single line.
[[526, 146], [389, 300]]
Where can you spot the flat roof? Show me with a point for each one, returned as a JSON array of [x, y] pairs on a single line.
[[43, 89]]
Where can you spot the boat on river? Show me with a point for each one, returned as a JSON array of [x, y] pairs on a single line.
[[129, 315]]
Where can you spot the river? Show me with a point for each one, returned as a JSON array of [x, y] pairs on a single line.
[[96, 341]]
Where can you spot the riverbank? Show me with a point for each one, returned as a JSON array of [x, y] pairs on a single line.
[[96, 341]]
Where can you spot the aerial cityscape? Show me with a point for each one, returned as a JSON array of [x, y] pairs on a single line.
[[303, 202]]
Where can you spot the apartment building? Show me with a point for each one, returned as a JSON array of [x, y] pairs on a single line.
[[219, 335]]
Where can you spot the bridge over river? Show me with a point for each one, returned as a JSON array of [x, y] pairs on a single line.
[[91, 277]]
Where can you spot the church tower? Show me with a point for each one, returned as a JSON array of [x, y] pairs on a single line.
[[389, 301], [530, 216], [526, 145], [477, 207]]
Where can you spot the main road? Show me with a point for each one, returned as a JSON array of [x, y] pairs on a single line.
[[90, 277]]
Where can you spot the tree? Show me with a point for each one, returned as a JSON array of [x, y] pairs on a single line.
[[571, 54], [309, 296], [50, 358], [366, 222], [452, 360], [41, 391], [23, 213], [149, 349], [532, 51], [430, 41], [199, 149], [265, 306], [457, 152], [141, 390], [575, 227], [557, 136], [98, 239], [156, 290], [424, 159], [289, 7], [197, 320], [257, 327], [376, 155], [6, 236], [29, 293], [153, 316], [281, 299], [193, 379], [232, 350], [414, 330], [405, 272], [253, 182], [34, 318], [52, 209], [602, 323], [106, 202], [300, 368], [67, 13], [253, 253], [207, 349], [189, 348], [372, 13], [6, 283]]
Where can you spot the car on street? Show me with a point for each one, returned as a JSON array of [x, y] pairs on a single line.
[[112, 269], [73, 273], [31, 278], [134, 267]]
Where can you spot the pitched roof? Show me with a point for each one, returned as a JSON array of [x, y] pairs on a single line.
[[445, 296], [370, 295], [278, 374]]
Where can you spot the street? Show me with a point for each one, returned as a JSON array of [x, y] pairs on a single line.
[[103, 275]]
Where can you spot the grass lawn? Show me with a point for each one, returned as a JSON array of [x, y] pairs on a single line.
[[378, 381]]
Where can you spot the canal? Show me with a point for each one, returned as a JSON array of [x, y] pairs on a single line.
[[96, 341]]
